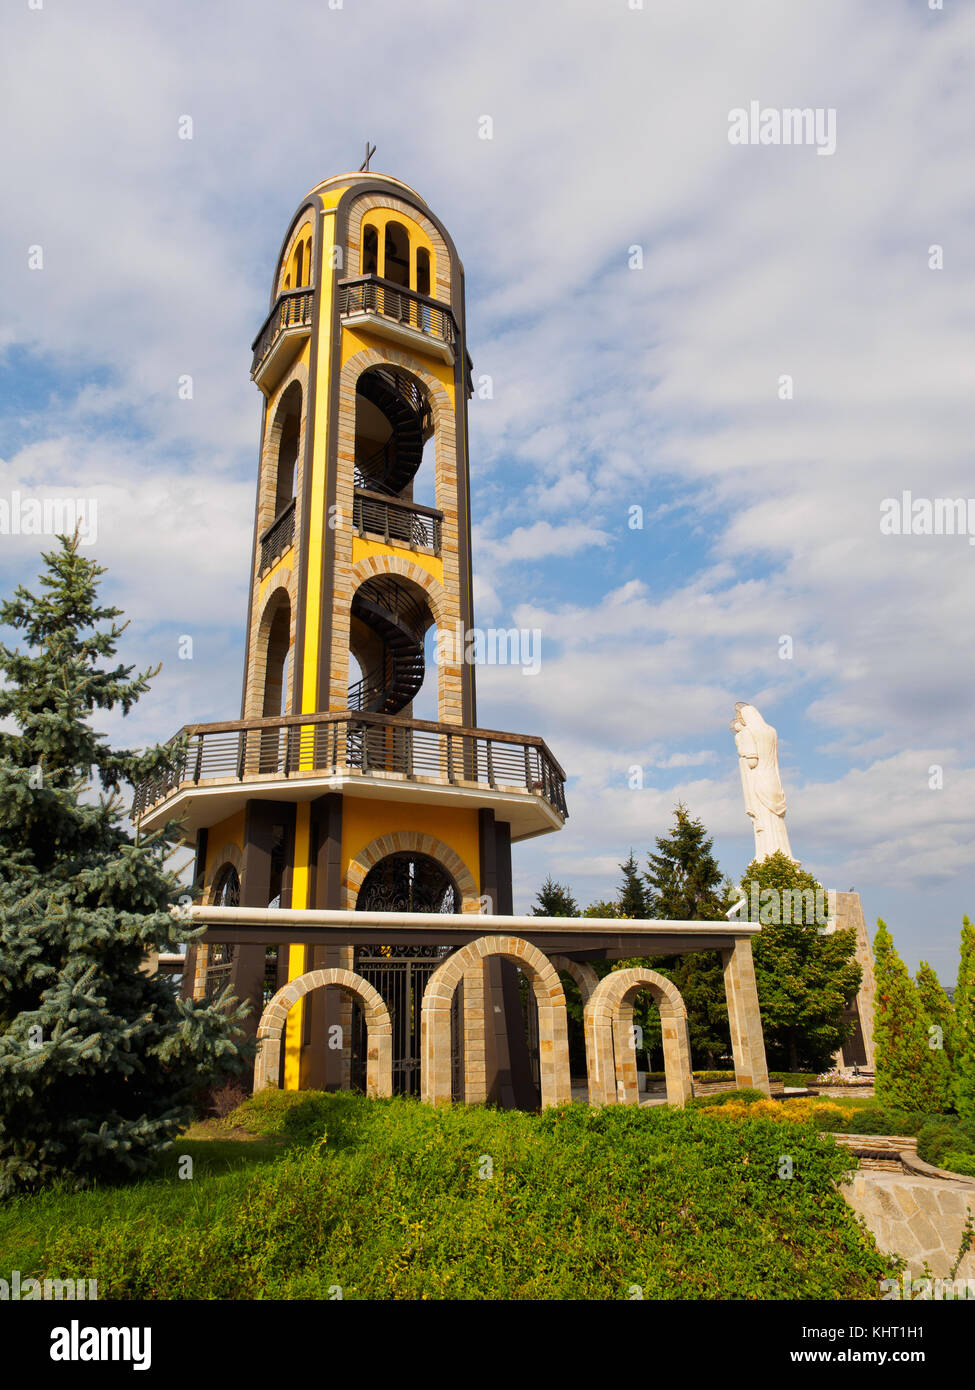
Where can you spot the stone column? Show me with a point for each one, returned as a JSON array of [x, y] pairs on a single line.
[[747, 1041]]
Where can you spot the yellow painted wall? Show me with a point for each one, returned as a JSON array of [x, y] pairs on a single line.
[[378, 217], [225, 832], [362, 548], [364, 820]]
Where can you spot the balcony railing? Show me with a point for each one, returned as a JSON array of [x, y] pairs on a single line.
[[370, 295], [278, 538], [364, 744], [291, 310], [398, 523]]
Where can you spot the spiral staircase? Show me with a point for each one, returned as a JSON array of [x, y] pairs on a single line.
[[382, 604]]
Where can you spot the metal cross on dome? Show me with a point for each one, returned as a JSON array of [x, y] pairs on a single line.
[[370, 151]]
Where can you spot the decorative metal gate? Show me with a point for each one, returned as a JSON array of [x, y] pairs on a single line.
[[405, 882]]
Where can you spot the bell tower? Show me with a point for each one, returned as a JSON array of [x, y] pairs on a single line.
[[328, 792]]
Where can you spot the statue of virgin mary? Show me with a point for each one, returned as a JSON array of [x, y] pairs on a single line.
[[758, 761]]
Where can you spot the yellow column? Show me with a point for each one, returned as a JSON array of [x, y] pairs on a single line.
[[294, 1029]]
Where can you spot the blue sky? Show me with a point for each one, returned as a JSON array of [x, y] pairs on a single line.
[[612, 387]]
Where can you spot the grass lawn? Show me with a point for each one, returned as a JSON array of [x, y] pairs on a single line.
[[304, 1194]]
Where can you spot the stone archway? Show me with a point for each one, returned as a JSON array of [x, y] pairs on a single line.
[[379, 1067], [467, 965], [610, 1050], [400, 841], [583, 974]]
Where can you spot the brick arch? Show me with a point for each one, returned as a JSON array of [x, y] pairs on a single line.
[[272, 439], [433, 590], [610, 1051], [373, 202], [277, 595], [583, 974], [408, 362], [230, 854], [553, 1037], [415, 842], [379, 1028]]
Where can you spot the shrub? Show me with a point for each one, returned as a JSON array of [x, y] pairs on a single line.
[[743, 1097], [942, 1136]]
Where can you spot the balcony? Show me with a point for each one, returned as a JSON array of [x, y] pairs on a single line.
[[278, 538], [282, 334], [396, 522], [407, 318], [300, 757]]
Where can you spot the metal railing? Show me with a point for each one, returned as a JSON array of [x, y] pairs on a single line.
[[370, 294], [398, 523], [291, 310], [278, 537], [333, 744]]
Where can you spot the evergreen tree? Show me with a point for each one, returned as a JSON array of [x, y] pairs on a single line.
[[683, 884], [964, 1032], [554, 900], [939, 1021], [98, 1060], [804, 975], [632, 895], [906, 1074]]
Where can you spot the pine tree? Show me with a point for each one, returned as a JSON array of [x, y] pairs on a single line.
[[905, 1071], [804, 975], [964, 1034], [554, 900], [939, 1022], [683, 884], [98, 1060], [632, 897]]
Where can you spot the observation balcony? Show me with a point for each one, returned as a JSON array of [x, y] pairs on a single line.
[[300, 757], [284, 330], [404, 316], [277, 539], [396, 522]]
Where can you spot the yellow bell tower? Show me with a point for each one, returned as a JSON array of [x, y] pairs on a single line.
[[327, 792]]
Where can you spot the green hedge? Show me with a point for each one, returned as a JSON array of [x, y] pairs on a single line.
[[393, 1200], [944, 1141]]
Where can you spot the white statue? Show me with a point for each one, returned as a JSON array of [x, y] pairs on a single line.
[[758, 760]]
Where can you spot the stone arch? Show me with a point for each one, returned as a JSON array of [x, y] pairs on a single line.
[[379, 1028], [374, 565], [271, 444], [465, 964], [230, 854], [583, 974], [416, 842], [369, 202], [610, 1052]]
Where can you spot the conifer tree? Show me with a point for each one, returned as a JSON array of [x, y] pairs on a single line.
[[98, 1060], [939, 1022], [964, 1033], [554, 900], [804, 975], [632, 898], [906, 1075], [683, 884]]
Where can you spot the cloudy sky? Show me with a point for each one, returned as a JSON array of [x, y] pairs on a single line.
[[615, 387]]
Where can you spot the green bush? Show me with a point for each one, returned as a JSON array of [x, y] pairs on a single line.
[[960, 1161], [396, 1200], [942, 1137], [746, 1096]]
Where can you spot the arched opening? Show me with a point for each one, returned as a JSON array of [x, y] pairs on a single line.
[[299, 265], [611, 1039], [370, 251], [220, 957], [388, 620], [396, 254], [288, 426], [404, 882], [422, 270], [278, 649]]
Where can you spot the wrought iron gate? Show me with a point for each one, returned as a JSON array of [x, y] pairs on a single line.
[[400, 974]]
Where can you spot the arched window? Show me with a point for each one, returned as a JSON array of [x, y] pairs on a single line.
[[397, 255], [278, 650], [300, 265], [370, 251], [422, 270], [226, 888], [288, 422]]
